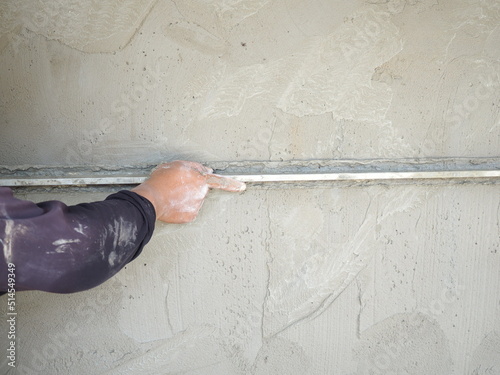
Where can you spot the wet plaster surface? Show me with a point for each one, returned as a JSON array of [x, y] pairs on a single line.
[[351, 279], [248, 80], [327, 279]]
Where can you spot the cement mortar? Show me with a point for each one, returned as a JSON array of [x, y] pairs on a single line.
[[317, 279]]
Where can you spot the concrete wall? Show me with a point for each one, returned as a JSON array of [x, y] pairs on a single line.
[[379, 279]]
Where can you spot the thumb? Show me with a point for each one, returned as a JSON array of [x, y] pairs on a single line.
[[216, 181]]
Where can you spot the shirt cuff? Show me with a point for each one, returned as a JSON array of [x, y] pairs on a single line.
[[147, 210]]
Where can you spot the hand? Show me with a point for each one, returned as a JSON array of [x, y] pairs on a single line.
[[177, 189]]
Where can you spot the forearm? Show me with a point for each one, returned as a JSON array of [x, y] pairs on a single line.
[[69, 249], [65, 249]]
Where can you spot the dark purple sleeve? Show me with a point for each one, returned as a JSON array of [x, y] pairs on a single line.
[[64, 249]]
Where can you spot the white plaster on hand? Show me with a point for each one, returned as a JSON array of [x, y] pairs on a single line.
[[177, 189]]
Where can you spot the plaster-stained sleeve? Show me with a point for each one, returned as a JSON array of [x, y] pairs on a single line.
[[64, 249]]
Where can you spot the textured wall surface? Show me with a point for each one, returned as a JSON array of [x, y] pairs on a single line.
[[379, 279]]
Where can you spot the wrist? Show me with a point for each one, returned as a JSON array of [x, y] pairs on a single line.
[[145, 191]]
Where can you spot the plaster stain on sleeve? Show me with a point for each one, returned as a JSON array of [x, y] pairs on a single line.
[[11, 231], [329, 74], [64, 242], [112, 258], [63, 245], [7, 241], [127, 232], [80, 229], [124, 234]]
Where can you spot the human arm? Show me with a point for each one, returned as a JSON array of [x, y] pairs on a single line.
[[177, 189], [66, 249], [63, 249]]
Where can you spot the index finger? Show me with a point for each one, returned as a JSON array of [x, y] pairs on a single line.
[[216, 181]]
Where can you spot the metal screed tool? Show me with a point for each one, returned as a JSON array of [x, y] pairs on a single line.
[[264, 178]]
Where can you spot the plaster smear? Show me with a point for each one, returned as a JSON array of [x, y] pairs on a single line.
[[196, 348], [476, 17], [11, 230], [7, 241], [404, 344], [64, 245], [331, 73], [236, 11], [89, 26], [125, 232], [154, 290], [191, 35], [152, 293], [270, 359], [227, 12], [308, 268], [485, 358], [468, 111]]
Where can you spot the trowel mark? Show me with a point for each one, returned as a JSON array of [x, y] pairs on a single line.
[[227, 12], [404, 344], [317, 281], [103, 26], [330, 73], [190, 349], [484, 360], [168, 315], [235, 11], [304, 290], [195, 36]]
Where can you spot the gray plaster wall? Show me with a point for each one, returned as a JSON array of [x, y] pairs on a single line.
[[351, 280]]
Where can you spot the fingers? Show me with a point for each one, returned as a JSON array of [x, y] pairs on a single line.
[[216, 181]]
